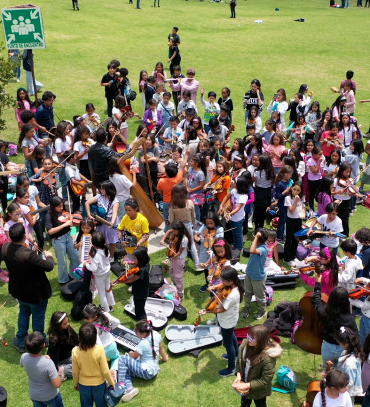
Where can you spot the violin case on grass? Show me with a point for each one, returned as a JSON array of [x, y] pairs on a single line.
[[157, 310], [190, 339], [70, 289], [156, 279]]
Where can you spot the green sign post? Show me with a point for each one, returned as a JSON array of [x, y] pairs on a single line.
[[23, 28]]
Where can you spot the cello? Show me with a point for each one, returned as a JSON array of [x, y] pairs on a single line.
[[309, 335]]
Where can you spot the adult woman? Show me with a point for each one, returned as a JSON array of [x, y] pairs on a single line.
[[176, 57], [279, 104], [253, 97]]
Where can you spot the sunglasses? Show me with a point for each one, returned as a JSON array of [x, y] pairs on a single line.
[[250, 339]]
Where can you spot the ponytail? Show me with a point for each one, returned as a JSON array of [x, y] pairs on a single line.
[[322, 390], [230, 274], [143, 327], [98, 242]]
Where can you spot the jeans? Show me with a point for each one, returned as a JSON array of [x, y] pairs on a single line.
[[331, 352], [237, 234], [128, 368], [232, 7], [64, 246], [91, 394], [166, 211], [138, 4], [194, 252], [206, 128], [17, 72], [47, 148], [38, 319], [364, 329], [231, 346], [282, 221], [55, 402], [197, 209], [110, 101], [29, 81]]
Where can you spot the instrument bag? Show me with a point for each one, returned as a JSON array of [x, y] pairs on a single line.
[[69, 290], [180, 313], [156, 279]]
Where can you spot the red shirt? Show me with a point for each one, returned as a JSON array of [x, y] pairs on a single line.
[[328, 149]]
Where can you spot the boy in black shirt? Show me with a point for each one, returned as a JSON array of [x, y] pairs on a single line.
[[150, 90], [110, 81]]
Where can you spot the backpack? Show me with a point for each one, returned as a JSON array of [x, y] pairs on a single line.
[[286, 378], [81, 300], [13, 149]]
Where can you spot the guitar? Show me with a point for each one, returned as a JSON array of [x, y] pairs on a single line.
[[15, 172], [78, 189]]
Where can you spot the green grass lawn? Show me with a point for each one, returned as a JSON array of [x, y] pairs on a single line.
[[225, 52]]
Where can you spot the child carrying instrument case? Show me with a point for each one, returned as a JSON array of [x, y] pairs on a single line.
[[156, 279], [70, 289]]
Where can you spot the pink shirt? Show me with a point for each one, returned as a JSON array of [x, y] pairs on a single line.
[[351, 101], [192, 86], [19, 111], [312, 163], [159, 78], [270, 249], [276, 161], [326, 287]]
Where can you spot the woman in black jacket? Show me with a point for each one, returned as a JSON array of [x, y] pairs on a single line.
[[333, 315]]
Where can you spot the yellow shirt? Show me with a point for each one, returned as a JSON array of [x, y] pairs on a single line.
[[90, 368], [137, 227]]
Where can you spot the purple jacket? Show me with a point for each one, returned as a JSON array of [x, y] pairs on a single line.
[[148, 115]]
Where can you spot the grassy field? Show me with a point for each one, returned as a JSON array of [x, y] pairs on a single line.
[[225, 52]]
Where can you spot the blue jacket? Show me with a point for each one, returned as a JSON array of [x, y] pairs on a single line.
[[280, 188]]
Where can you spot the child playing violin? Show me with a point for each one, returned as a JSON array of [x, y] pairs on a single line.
[[220, 183], [228, 296], [219, 258], [177, 252], [211, 230], [365, 310]]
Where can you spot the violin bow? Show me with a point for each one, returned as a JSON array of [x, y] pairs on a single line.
[[169, 248], [69, 204], [3, 304], [228, 230], [57, 166]]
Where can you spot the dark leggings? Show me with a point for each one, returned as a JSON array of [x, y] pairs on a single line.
[[3, 195], [258, 403], [37, 227], [259, 216], [293, 225], [313, 186], [140, 308], [343, 214]]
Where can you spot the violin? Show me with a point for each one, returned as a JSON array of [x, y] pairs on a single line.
[[171, 250], [305, 270], [126, 275], [86, 143], [66, 216], [201, 134], [225, 149], [348, 183], [49, 179], [209, 235], [228, 207], [359, 292], [219, 295], [127, 113]]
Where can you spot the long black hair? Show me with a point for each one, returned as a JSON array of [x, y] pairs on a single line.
[[20, 103], [183, 231], [199, 159], [98, 242], [259, 145], [25, 129], [240, 149], [343, 167], [358, 147], [221, 242], [92, 311], [230, 274], [336, 150], [324, 188], [54, 202], [335, 378], [266, 164], [337, 306], [141, 253], [347, 337], [216, 219], [143, 327], [55, 332], [290, 162], [242, 186], [110, 189], [85, 222]]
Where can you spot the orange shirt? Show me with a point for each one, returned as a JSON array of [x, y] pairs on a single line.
[[166, 184], [225, 181]]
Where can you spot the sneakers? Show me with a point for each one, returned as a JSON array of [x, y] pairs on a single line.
[[281, 242], [130, 289], [290, 263], [250, 225], [246, 312], [198, 268], [226, 372], [130, 395], [212, 321], [351, 213], [3, 277], [18, 80], [203, 289], [19, 348], [260, 314]]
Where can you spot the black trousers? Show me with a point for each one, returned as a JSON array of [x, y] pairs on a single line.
[[343, 213], [110, 106], [232, 7], [76, 200], [37, 227], [259, 216], [313, 185], [175, 94], [140, 308], [3, 195], [291, 243], [258, 403]]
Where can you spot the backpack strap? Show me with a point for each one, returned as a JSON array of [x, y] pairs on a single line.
[[281, 390]]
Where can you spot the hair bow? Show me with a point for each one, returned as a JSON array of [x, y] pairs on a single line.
[[342, 329], [220, 243], [327, 253]]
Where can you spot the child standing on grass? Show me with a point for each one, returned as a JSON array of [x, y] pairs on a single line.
[[283, 186], [195, 181], [62, 339], [90, 368], [110, 82], [225, 99], [227, 314], [315, 173], [352, 265], [43, 378], [255, 366], [255, 276], [143, 362], [178, 254], [142, 87], [275, 150], [211, 108]]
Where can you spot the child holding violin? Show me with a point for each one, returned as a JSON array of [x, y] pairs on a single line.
[[12, 216], [37, 159], [363, 236], [329, 277], [255, 366], [62, 143], [353, 265], [219, 258], [209, 231], [22, 198], [334, 314], [61, 239], [365, 309], [177, 252], [219, 184], [227, 298], [333, 390], [99, 265]]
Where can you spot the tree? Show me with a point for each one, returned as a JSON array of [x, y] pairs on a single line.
[[6, 75]]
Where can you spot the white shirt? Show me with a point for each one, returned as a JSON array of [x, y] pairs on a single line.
[[335, 226], [99, 264], [345, 196], [347, 277], [229, 318], [81, 149], [115, 111], [211, 170], [289, 201], [72, 172], [238, 199], [182, 106], [62, 146], [165, 108], [261, 180], [329, 168], [104, 337], [343, 400], [170, 133], [123, 185], [33, 191]]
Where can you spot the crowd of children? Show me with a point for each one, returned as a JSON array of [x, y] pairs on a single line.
[[207, 186]]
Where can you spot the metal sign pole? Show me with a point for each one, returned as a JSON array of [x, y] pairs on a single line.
[[30, 54]]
